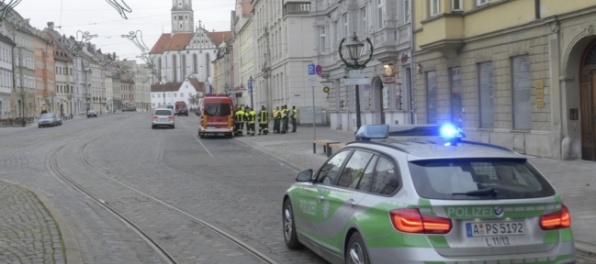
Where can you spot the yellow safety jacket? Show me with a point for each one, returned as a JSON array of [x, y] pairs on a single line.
[[263, 117], [276, 114], [251, 117], [239, 116]]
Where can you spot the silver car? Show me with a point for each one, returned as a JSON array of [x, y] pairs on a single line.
[[422, 199], [163, 117], [47, 119]]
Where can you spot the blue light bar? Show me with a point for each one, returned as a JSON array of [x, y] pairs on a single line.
[[368, 132], [451, 133]]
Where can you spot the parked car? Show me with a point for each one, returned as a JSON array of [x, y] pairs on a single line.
[[419, 199], [59, 118], [47, 119], [91, 113], [163, 117]]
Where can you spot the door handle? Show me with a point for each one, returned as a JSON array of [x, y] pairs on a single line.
[[320, 198]]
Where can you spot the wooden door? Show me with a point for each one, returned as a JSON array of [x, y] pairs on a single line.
[[588, 116]]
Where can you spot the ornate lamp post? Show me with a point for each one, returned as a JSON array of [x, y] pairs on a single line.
[[355, 51], [250, 80]]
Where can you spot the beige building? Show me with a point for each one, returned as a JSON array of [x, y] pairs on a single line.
[[521, 74]]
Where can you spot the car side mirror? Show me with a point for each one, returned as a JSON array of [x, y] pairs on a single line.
[[304, 176]]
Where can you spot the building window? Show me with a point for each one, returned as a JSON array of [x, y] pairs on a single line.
[[485, 81], [407, 11], [322, 43], [363, 21], [431, 97], [482, 2], [345, 31], [380, 12], [435, 7], [456, 93], [457, 5], [522, 93]]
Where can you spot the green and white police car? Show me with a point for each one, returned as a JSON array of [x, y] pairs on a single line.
[[386, 199]]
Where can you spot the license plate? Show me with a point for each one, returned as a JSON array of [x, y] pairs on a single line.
[[163, 120], [484, 229]]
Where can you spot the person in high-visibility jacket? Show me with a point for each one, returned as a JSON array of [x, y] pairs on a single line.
[[239, 121], [293, 116], [263, 121], [285, 116], [276, 120], [252, 118]]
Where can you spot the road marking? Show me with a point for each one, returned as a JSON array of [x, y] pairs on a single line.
[[209, 152]]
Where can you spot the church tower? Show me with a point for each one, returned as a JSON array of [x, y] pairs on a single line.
[[182, 16]]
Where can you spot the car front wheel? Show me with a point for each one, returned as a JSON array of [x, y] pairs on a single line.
[[356, 252], [289, 226]]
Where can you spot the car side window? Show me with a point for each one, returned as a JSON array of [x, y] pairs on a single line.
[[354, 169], [386, 178], [367, 177], [329, 172]]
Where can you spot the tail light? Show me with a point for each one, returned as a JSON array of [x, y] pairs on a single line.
[[556, 220], [171, 116], [154, 117], [411, 221]]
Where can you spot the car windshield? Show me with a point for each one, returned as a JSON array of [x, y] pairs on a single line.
[[471, 179], [163, 112], [46, 116], [217, 110]]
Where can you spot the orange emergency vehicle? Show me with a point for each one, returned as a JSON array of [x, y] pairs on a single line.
[[217, 116]]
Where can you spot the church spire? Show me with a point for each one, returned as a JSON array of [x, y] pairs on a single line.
[[182, 16]]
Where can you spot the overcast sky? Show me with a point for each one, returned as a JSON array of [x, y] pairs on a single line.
[[152, 17]]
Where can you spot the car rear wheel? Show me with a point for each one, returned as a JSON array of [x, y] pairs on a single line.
[[356, 252], [290, 236]]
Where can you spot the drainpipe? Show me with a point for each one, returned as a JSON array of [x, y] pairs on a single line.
[[413, 70]]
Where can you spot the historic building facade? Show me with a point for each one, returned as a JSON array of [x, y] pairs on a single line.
[[525, 81], [385, 96], [186, 51]]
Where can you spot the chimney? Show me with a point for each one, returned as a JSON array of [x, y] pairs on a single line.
[[51, 25]]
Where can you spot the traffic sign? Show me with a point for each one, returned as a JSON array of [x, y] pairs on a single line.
[[311, 69], [358, 81], [355, 74], [326, 89], [319, 70], [312, 81]]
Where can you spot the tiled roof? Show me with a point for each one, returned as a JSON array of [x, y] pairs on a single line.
[[199, 86], [175, 86], [171, 41], [166, 87], [220, 36]]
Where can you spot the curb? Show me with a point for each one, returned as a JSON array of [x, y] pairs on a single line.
[[72, 252]]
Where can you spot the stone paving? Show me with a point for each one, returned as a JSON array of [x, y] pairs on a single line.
[[28, 231], [31, 233]]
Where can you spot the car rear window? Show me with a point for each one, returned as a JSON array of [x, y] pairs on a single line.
[[217, 109], [46, 116], [163, 112], [473, 179]]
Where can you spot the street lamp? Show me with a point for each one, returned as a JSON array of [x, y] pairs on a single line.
[[355, 51], [250, 80]]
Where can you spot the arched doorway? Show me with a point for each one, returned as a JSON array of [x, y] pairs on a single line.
[[588, 103]]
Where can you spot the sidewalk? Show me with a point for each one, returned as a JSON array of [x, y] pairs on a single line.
[[574, 180]]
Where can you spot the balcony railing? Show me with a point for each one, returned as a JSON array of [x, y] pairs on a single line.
[[297, 8]]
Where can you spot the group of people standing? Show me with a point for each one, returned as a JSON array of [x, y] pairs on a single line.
[[246, 116]]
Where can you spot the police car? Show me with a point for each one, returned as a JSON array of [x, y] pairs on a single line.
[[420, 198]]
